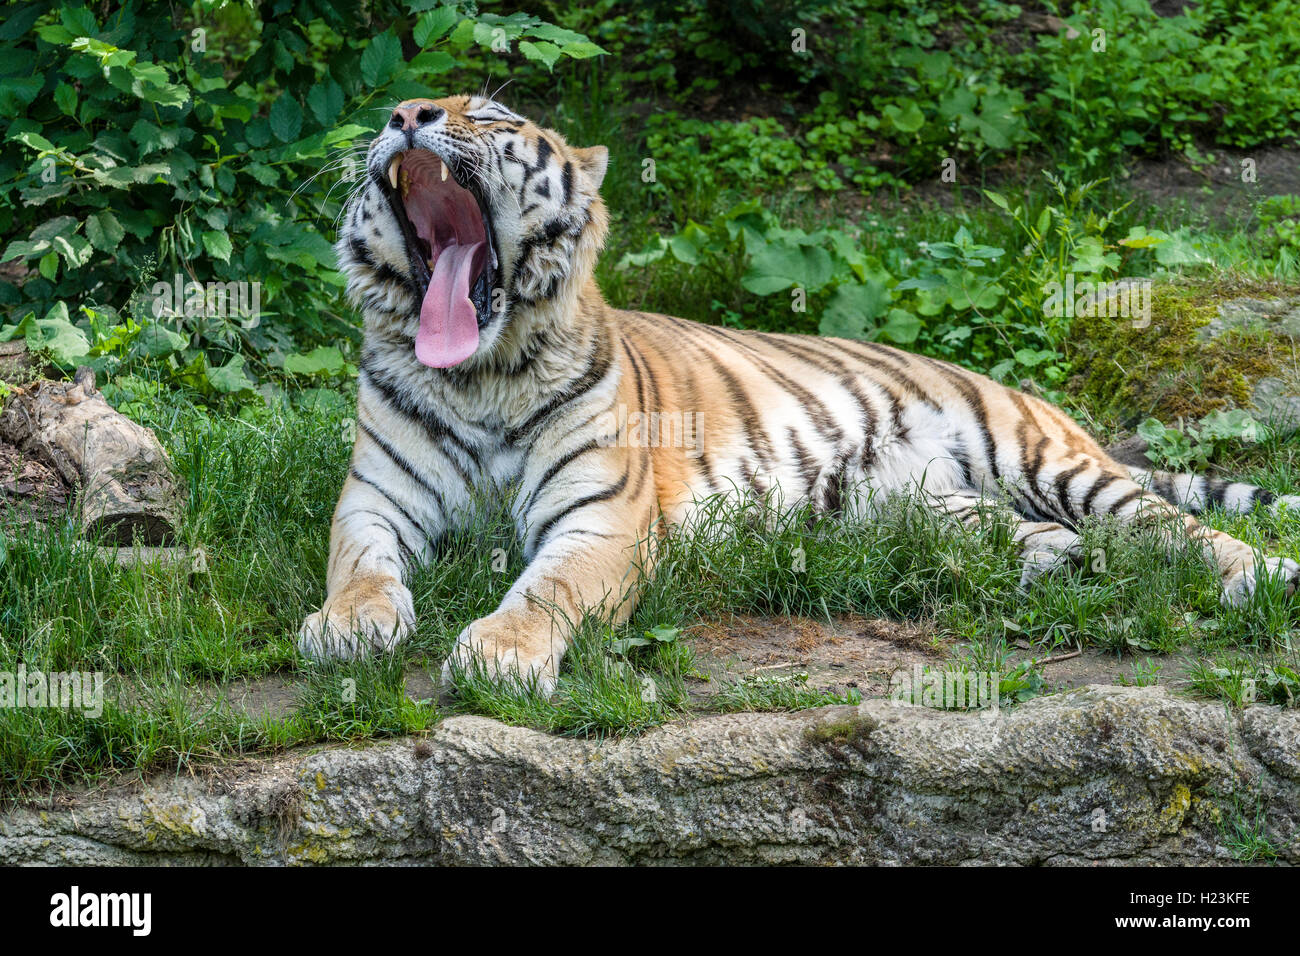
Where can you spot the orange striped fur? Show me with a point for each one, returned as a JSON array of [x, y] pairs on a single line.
[[555, 399]]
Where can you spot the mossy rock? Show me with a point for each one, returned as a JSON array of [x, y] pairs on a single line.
[[1209, 345]]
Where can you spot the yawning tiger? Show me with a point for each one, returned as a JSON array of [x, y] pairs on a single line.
[[491, 361]]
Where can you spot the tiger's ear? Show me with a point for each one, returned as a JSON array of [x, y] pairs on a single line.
[[594, 160]]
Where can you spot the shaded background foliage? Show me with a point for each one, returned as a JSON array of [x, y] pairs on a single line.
[[218, 142]]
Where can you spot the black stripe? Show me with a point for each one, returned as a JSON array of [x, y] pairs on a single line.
[[1123, 500], [400, 460], [554, 470], [1063, 488], [407, 550], [807, 467], [437, 430], [392, 501], [597, 368], [977, 407], [539, 539], [1105, 481]]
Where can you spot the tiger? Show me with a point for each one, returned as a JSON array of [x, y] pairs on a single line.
[[492, 365]]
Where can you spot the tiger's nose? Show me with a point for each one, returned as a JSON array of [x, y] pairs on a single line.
[[411, 116]]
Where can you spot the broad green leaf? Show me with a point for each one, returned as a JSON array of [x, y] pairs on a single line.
[[780, 265], [230, 378], [549, 31], [853, 309], [35, 141], [907, 119], [285, 118], [901, 326], [325, 100], [434, 25], [104, 231], [430, 62], [582, 50], [65, 98], [218, 244], [380, 60], [324, 359], [543, 52], [155, 341], [75, 250]]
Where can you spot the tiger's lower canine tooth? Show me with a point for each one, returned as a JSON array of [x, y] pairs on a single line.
[[444, 172], [392, 169]]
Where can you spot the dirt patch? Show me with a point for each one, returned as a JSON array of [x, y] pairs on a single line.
[[847, 652], [1214, 189], [864, 653]]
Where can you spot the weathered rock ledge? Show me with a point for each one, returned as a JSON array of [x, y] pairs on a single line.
[[1098, 775]]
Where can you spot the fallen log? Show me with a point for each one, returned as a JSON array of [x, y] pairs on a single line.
[[128, 489]]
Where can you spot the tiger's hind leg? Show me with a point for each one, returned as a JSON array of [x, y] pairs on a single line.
[[1084, 486], [1044, 545]]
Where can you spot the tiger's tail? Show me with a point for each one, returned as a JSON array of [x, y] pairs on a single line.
[[1197, 493]]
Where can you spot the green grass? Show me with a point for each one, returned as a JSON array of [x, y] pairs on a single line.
[[261, 495]]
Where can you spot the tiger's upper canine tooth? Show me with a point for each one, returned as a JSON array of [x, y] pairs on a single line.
[[393, 165], [444, 172]]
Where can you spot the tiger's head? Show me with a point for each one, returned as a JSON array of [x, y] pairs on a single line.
[[471, 219]]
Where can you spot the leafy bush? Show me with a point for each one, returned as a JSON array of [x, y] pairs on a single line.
[[215, 145], [1192, 446]]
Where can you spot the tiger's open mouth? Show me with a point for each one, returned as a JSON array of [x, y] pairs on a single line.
[[449, 240]]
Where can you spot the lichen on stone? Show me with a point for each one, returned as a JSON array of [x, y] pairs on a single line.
[[1191, 358]]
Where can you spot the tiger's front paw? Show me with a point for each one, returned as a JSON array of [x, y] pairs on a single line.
[[359, 620], [1242, 583], [504, 650]]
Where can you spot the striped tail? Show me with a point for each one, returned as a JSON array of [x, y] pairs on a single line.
[[1197, 493]]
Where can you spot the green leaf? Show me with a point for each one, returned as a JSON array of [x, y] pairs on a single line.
[[75, 250], [435, 25], [218, 244], [583, 50], [325, 100], [997, 199], [104, 231], [549, 31], [55, 334], [853, 309], [779, 265], [35, 141], [907, 119], [430, 62], [65, 98], [230, 379], [322, 360], [286, 118], [543, 52], [58, 226], [155, 341], [380, 60], [901, 326]]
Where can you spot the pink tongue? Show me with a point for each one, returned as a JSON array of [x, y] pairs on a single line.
[[448, 324]]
